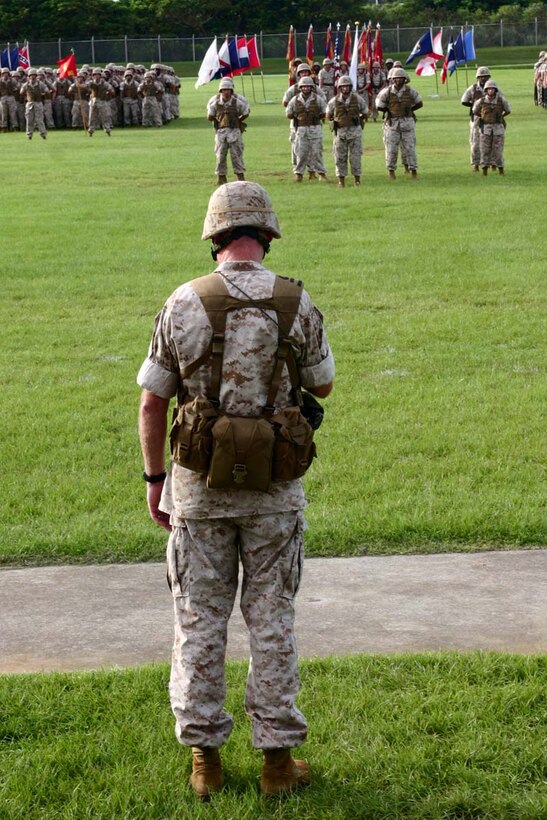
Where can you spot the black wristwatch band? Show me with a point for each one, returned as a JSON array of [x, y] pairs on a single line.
[[154, 479]]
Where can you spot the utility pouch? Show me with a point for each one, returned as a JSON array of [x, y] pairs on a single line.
[[191, 434], [242, 454], [294, 449]]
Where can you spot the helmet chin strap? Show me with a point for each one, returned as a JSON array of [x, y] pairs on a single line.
[[223, 240]]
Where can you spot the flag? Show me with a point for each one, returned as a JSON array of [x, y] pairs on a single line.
[[233, 54], [378, 50], [426, 67], [67, 66], [437, 52], [329, 48], [254, 59], [336, 57], [242, 55], [209, 65], [469, 44], [309, 47], [24, 56], [225, 65], [9, 58], [423, 47], [291, 54], [354, 57], [346, 53], [459, 50], [366, 48], [449, 65]]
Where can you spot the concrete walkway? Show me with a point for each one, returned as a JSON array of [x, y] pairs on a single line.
[[89, 617]]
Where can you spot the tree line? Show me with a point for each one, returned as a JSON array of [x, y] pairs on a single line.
[[42, 20]]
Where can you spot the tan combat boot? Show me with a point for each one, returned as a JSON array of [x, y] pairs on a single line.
[[312, 175], [407, 169], [298, 177], [501, 172], [281, 773], [241, 177], [341, 182], [414, 174], [221, 179], [323, 178], [485, 172], [475, 168], [206, 774], [357, 180], [391, 174]]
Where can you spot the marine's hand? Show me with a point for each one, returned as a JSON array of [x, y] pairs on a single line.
[[153, 496]]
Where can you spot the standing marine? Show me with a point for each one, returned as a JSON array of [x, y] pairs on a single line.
[[228, 112], [470, 96], [399, 101], [347, 111]]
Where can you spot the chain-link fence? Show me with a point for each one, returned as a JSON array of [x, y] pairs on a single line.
[[192, 49]]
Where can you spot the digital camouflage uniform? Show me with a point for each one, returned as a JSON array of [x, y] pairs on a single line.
[[326, 82], [291, 92], [151, 92], [62, 105], [34, 109], [129, 93], [308, 144], [228, 136], [347, 113], [79, 94], [469, 98], [100, 112], [492, 111], [399, 128], [9, 89], [213, 529]]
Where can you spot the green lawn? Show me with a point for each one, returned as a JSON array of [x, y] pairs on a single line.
[[427, 736], [433, 294]]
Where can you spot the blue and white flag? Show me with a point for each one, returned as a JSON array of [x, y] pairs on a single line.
[[423, 47], [209, 66], [469, 44]]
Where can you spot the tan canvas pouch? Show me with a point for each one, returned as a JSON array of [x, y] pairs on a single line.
[[294, 448], [242, 454], [191, 434]]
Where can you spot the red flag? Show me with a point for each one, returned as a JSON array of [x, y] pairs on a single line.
[[329, 46], [309, 47], [254, 59], [291, 53], [67, 66], [24, 56], [378, 51], [346, 54]]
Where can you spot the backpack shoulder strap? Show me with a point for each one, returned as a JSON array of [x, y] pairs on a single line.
[[286, 301]]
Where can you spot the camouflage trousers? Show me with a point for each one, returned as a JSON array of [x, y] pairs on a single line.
[[308, 149], [62, 112], [151, 112], [202, 564], [130, 111], [348, 143], [77, 113], [34, 116], [401, 135], [229, 139], [8, 113], [48, 114], [99, 115], [491, 144], [475, 141]]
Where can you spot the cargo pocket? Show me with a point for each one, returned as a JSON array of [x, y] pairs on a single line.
[[178, 565], [291, 563]]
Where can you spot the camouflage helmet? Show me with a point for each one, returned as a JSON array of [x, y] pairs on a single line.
[[389, 61], [97, 71], [482, 71], [362, 67], [226, 82], [491, 84], [32, 72], [306, 82], [303, 67], [344, 80], [128, 73], [399, 72], [397, 64], [5, 70], [238, 205], [327, 61], [376, 64]]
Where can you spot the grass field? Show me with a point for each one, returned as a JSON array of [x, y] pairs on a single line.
[[433, 293], [444, 737]]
